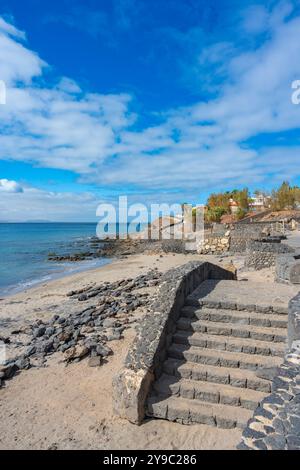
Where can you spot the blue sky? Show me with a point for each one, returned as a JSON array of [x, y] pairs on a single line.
[[164, 101]]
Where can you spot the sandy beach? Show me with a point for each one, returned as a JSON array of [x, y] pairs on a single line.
[[69, 407]]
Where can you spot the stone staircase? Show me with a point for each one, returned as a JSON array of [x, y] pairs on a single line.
[[217, 367]]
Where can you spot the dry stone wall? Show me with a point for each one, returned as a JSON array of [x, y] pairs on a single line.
[[238, 244], [273, 228], [263, 253], [214, 244], [243, 234], [288, 268]]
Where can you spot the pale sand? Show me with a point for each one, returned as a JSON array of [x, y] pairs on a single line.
[[70, 407]]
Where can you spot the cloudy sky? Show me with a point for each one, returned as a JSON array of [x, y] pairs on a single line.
[[163, 101]]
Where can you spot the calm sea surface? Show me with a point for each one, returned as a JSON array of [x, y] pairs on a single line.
[[24, 249]]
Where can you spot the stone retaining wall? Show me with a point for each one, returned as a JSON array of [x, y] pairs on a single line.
[[214, 244], [174, 246], [294, 322], [143, 363], [252, 229], [269, 246], [288, 268], [258, 227], [238, 244], [243, 234], [263, 254], [260, 260], [276, 422], [218, 229], [239, 236]]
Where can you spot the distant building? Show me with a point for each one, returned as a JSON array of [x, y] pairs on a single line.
[[260, 202]]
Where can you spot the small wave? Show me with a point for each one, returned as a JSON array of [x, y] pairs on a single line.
[[23, 285], [68, 269]]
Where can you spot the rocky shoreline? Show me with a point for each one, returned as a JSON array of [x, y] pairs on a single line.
[[119, 248], [109, 309], [109, 248]]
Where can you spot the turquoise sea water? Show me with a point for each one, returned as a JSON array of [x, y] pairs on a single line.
[[24, 248]]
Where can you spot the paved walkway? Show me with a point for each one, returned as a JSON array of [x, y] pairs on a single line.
[[247, 293]]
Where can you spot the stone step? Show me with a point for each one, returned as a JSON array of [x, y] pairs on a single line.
[[277, 335], [236, 316], [168, 385], [231, 305], [242, 295], [185, 411], [229, 343], [241, 378], [221, 358]]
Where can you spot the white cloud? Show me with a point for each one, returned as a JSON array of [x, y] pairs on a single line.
[[55, 126], [17, 62], [209, 148], [10, 29], [38, 204], [195, 148], [10, 186]]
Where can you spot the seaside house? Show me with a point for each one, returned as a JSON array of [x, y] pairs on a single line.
[[260, 202]]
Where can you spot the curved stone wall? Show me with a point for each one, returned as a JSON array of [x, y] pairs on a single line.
[[148, 352]]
